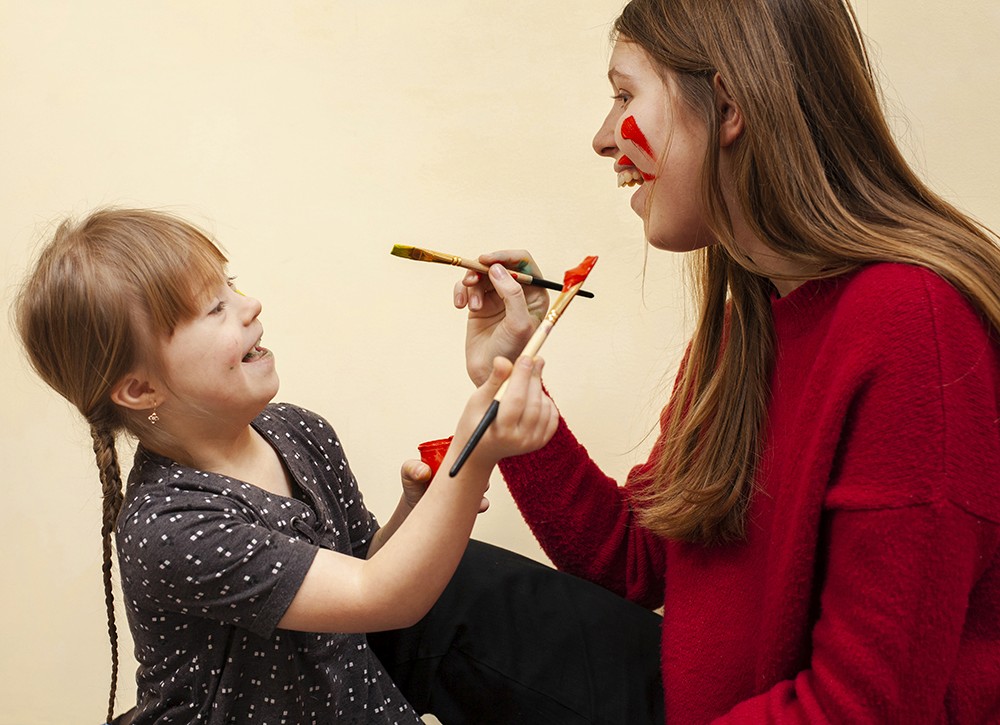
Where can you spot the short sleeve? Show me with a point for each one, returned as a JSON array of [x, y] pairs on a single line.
[[196, 553]]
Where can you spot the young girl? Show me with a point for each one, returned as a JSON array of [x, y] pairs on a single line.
[[820, 516], [250, 566]]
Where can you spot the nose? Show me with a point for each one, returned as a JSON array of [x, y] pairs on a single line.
[[251, 309], [604, 142]]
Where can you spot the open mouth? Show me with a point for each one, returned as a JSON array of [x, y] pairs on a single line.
[[631, 176], [255, 353]]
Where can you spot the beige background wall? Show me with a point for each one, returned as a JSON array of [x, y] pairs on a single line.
[[311, 136]]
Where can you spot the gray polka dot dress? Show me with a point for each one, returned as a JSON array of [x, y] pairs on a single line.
[[210, 564]]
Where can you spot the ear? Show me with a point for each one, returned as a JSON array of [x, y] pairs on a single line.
[[135, 391], [730, 115]]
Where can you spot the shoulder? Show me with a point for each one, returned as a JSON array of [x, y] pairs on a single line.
[[905, 304], [887, 324], [163, 494], [901, 292]]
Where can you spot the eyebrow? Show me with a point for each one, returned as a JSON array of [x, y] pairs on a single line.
[[614, 74]]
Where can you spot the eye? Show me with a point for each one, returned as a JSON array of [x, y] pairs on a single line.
[[622, 97], [218, 308]]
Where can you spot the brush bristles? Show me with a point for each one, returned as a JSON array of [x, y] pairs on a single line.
[[422, 255]]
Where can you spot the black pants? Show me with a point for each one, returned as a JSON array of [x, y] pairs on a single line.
[[512, 641]]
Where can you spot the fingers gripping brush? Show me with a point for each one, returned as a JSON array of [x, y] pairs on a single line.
[[429, 255], [572, 282]]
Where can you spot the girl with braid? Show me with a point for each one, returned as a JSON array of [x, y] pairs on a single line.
[[250, 567]]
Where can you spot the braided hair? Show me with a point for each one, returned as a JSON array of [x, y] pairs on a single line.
[[102, 292]]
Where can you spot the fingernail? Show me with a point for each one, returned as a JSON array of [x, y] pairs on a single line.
[[497, 271], [525, 361]]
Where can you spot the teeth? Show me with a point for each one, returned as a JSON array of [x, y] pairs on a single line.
[[629, 177], [254, 352]]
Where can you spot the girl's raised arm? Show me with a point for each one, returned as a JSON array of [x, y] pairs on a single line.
[[405, 576]]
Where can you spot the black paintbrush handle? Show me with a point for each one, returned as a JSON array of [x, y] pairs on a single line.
[[488, 417], [539, 282]]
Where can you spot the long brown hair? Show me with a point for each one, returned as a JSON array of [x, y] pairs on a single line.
[[102, 291], [819, 178]]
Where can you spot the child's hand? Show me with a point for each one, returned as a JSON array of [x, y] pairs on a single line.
[[416, 477], [526, 419]]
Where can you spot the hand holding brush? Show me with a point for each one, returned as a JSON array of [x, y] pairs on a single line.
[[572, 282]]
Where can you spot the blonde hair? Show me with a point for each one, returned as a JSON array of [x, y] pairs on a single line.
[[103, 289], [819, 178]]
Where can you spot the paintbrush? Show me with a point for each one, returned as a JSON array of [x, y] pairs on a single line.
[[572, 281], [427, 255]]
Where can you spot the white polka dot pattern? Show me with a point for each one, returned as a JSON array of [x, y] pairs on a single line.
[[209, 565]]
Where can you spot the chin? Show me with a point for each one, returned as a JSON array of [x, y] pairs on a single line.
[[677, 243]]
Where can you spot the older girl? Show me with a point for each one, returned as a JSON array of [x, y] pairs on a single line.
[[820, 516]]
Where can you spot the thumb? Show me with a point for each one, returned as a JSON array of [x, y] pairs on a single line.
[[414, 471], [519, 322], [505, 284], [510, 290], [501, 371]]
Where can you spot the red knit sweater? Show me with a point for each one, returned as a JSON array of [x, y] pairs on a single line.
[[868, 589]]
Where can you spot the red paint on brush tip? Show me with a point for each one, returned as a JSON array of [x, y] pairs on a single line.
[[578, 273], [632, 132]]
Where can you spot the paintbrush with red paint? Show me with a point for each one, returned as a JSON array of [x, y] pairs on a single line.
[[572, 282], [428, 255]]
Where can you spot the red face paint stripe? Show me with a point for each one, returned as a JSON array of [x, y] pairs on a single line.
[[631, 132], [578, 273]]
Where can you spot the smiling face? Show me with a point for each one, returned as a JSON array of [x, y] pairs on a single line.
[[659, 144], [213, 364]]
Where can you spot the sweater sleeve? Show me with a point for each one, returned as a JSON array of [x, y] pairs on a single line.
[[583, 519], [909, 622]]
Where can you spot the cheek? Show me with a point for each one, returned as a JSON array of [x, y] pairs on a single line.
[[630, 131], [234, 354]]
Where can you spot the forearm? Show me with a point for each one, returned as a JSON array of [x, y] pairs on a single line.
[[583, 520], [407, 569], [417, 554], [399, 515], [414, 564]]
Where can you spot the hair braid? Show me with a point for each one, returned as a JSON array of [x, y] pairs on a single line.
[[101, 292], [111, 485]]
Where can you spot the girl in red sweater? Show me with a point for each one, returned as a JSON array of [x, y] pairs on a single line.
[[820, 516]]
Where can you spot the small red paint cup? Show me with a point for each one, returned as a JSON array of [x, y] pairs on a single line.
[[432, 452]]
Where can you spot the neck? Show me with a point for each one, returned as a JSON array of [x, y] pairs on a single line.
[[786, 286], [206, 445], [785, 274], [238, 452]]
